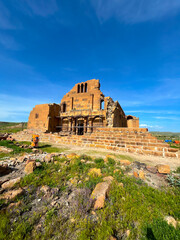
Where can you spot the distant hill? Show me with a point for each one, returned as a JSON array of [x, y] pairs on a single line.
[[12, 127], [167, 135]]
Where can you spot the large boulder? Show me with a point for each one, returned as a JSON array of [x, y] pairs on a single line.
[[10, 183], [100, 193], [12, 194], [30, 167], [165, 169]]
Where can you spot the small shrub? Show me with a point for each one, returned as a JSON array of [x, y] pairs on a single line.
[[160, 230], [99, 162]]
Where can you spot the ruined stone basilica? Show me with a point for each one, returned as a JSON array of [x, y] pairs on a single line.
[[83, 109]]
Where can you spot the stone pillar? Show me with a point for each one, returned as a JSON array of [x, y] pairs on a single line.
[[89, 130], [85, 124], [70, 123], [76, 127], [73, 126]]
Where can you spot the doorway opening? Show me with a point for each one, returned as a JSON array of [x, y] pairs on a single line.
[[80, 128]]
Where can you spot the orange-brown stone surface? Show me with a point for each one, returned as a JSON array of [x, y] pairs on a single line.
[[81, 110]]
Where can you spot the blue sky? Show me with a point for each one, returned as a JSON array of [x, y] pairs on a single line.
[[133, 47]]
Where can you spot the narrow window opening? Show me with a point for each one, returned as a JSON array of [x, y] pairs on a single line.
[[36, 115], [64, 107], [78, 88], [82, 88], [102, 105], [85, 87]]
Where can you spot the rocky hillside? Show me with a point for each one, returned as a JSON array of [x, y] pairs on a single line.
[[47, 193]]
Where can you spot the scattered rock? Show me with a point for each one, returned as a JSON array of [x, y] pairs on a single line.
[[100, 193], [141, 174], [11, 206], [112, 238], [45, 189], [151, 169], [125, 162], [139, 165], [123, 168], [171, 220], [23, 158], [10, 183], [35, 150], [135, 173], [38, 164], [108, 179], [30, 167], [48, 158], [165, 169], [95, 172], [99, 203], [10, 195], [5, 149]]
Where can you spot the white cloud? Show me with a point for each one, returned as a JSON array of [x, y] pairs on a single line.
[[168, 118], [152, 127], [154, 112], [133, 11]]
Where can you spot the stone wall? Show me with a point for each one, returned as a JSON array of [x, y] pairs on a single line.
[[134, 140], [83, 96], [43, 117]]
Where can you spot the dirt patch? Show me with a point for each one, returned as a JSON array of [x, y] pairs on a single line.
[[147, 159]]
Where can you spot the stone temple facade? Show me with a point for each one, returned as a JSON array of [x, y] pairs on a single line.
[[82, 110]]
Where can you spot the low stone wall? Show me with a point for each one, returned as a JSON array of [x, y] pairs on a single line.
[[133, 140]]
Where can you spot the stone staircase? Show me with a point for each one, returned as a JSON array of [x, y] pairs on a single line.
[[133, 140]]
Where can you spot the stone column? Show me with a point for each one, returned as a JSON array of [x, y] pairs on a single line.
[[85, 124], [73, 126], [90, 126], [69, 127]]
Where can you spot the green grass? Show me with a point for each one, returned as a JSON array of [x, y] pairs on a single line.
[[135, 206], [45, 147], [16, 149], [169, 136], [12, 127]]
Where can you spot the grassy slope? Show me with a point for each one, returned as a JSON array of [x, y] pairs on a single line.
[[169, 136], [11, 127], [136, 206]]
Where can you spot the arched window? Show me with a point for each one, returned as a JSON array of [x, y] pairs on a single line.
[[78, 88], [36, 115], [64, 107], [129, 117], [85, 90], [82, 88]]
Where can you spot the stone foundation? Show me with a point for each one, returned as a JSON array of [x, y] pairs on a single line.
[[133, 140]]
